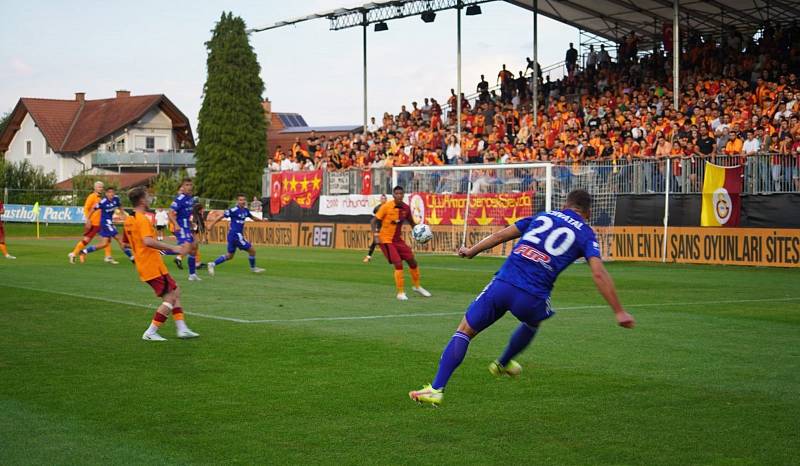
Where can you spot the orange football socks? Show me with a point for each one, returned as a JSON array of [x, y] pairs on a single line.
[[399, 281], [415, 276]]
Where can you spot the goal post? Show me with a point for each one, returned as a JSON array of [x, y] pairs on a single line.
[[464, 203]]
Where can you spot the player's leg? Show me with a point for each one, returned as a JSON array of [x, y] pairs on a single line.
[[107, 253], [88, 234], [531, 311], [124, 247], [212, 266], [4, 251], [104, 241], [164, 287], [372, 247], [408, 255], [191, 259], [251, 257], [390, 251], [106, 231], [183, 331], [3, 248], [485, 310]]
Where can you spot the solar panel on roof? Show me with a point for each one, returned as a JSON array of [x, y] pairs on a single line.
[[292, 120]]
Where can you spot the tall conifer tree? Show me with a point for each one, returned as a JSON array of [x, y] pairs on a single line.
[[231, 126]]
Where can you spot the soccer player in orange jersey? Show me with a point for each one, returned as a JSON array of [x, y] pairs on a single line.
[[3, 249], [93, 225], [391, 215], [141, 236]]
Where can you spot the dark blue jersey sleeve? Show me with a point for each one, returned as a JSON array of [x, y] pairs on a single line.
[[522, 224]]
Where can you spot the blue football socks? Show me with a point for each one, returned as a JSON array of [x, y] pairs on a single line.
[[519, 340], [192, 264], [451, 358]]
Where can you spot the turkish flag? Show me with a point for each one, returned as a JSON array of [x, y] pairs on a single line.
[[275, 194], [366, 182]]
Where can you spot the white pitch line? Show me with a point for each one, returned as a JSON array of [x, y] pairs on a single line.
[[127, 303], [394, 316], [569, 308]]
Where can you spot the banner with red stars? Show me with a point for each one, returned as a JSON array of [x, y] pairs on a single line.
[[302, 187], [484, 209]]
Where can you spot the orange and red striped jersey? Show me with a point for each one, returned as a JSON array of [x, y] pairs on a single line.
[[148, 260], [91, 201], [392, 217]]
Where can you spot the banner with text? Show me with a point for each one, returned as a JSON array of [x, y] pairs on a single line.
[[484, 209], [47, 214], [445, 238], [338, 182], [260, 234], [349, 204], [692, 245]]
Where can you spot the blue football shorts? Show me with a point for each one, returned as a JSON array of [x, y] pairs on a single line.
[[500, 297]]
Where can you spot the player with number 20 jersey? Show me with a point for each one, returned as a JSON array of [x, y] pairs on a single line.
[[549, 243]]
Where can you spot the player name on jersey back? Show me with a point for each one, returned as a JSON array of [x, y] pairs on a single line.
[[549, 243]]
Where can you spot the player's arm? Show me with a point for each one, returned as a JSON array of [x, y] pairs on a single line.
[[508, 233], [153, 243], [373, 226], [172, 215], [88, 214], [605, 285], [373, 222]]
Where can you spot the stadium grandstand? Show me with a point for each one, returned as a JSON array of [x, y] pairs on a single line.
[[612, 111]]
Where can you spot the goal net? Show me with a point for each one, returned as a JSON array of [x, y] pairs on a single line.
[[464, 203]]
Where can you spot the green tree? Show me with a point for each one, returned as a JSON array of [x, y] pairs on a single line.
[[27, 184], [231, 125], [165, 187], [4, 119]]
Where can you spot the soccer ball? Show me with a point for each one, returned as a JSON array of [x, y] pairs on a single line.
[[422, 233]]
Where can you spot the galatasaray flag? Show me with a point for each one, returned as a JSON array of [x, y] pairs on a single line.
[[721, 202], [302, 187]]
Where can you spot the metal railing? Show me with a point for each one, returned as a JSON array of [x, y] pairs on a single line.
[[763, 174], [167, 159], [558, 69]]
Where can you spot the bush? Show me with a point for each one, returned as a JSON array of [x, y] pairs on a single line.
[[27, 184], [165, 186], [84, 182]]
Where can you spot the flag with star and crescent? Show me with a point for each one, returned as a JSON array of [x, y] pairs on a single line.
[[302, 187]]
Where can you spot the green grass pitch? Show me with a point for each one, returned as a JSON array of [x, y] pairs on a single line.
[[311, 362]]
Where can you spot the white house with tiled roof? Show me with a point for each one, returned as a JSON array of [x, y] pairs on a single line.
[[125, 133]]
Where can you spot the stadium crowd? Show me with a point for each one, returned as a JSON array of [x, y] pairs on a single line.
[[738, 98]]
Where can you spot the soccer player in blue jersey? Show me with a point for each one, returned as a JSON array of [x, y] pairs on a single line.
[[107, 207], [550, 242], [180, 215], [237, 215]]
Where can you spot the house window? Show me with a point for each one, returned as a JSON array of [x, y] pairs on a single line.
[[28, 148], [150, 143], [47, 149]]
